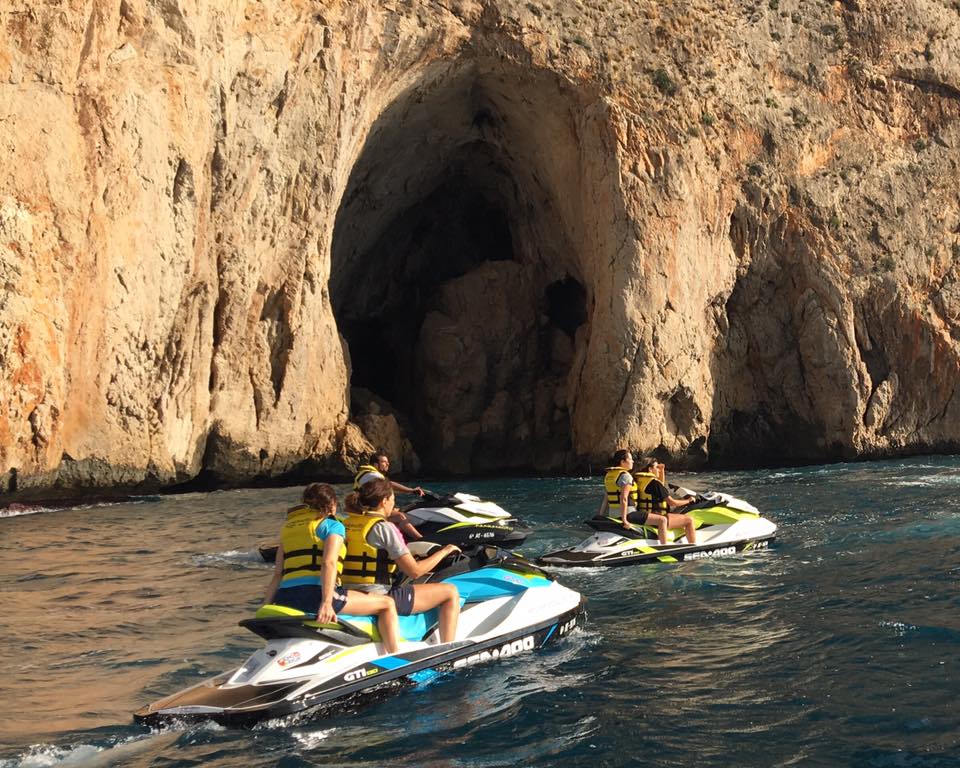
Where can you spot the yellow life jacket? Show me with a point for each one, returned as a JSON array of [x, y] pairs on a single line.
[[302, 548], [366, 469], [645, 500], [364, 564], [613, 490]]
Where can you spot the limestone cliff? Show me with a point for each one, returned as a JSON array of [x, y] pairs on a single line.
[[524, 233]]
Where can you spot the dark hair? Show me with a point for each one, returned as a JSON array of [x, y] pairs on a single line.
[[373, 493], [647, 461], [377, 455], [351, 503], [620, 455], [321, 497]]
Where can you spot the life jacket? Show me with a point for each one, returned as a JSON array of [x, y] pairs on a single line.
[[364, 564], [645, 500], [613, 490], [363, 472], [302, 548]]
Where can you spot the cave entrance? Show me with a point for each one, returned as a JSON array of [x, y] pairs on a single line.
[[454, 279]]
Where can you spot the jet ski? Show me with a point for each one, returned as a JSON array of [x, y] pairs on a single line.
[[725, 526], [509, 607], [458, 518]]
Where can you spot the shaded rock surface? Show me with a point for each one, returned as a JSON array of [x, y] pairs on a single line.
[[724, 231]]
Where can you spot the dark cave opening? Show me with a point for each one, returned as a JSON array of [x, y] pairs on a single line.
[[454, 281], [450, 232], [567, 304]]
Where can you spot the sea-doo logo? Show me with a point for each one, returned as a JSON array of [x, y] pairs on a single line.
[[359, 674], [722, 552], [507, 649], [290, 658]]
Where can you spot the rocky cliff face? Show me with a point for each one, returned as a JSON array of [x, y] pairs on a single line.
[[525, 233]]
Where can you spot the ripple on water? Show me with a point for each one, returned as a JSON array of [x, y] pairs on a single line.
[[836, 647]]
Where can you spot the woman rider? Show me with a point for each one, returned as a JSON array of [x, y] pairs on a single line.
[[375, 549], [309, 559], [642, 498]]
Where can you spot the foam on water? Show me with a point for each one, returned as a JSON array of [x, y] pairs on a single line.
[[310, 739], [45, 756], [232, 557]]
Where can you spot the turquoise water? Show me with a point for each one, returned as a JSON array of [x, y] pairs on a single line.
[[839, 646]]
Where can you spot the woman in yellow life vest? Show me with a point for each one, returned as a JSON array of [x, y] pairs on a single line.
[[641, 498], [309, 561], [376, 550]]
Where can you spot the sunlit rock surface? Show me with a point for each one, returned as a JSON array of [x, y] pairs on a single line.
[[727, 231]]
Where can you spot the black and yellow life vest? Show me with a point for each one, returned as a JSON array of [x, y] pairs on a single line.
[[365, 469], [645, 502], [364, 564], [613, 490], [302, 548]]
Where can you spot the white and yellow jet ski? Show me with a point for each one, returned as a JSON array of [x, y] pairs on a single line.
[[725, 526]]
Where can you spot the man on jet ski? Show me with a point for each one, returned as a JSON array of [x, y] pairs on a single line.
[[375, 550], [376, 469], [642, 499]]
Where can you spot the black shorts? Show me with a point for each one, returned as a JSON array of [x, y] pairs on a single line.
[[637, 517], [403, 596], [307, 597]]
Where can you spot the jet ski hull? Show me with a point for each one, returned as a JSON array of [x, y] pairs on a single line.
[[727, 533], [509, 610], [245, 705], [668, 553]]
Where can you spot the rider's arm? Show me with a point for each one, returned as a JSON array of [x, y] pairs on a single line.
[[604, 506], [384, 535], [624, 497], [415, 568], [405, 489], [403, 523], [331, 551], [277, 575]]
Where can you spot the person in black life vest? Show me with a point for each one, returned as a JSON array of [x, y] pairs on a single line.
[[309, 561], [376, 468], [641, 499], [376, 550], [659, 492]]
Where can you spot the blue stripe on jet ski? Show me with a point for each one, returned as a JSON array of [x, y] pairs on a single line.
[[549, 634], [391, 662], [494, 582]]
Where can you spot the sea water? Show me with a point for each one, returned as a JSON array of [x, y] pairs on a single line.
[[840, 645]]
